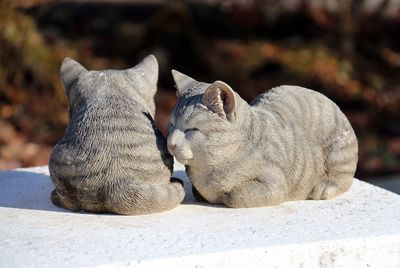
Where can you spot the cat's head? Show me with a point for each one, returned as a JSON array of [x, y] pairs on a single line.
[[139, 82], [202, 126]]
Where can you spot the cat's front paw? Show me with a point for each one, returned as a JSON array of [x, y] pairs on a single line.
[[234, 200], [253, 193]]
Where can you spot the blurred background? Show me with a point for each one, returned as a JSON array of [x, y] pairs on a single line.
[[347, 50]]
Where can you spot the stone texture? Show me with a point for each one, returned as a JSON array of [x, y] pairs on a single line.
[[358, 229]]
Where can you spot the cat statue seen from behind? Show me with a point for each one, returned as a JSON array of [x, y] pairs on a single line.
[[290, 143], [112, 157]]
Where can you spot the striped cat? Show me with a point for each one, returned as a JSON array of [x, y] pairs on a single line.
[[112, 157], [290, 143]]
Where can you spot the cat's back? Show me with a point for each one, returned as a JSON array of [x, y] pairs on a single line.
[[112, 134], [290, 96], [301, 108]]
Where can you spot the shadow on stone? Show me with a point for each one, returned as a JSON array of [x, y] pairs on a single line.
[[26, 190], [30, 190], [189, 198]]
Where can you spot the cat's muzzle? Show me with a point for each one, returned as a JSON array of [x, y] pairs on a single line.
[[183, 155]]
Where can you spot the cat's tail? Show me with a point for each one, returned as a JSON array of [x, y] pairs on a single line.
[[146, 198]]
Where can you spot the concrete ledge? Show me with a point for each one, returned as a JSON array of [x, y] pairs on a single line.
[[358, 229]]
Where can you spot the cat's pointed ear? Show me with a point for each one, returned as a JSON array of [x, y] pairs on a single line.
[[70, 71], [182, 82], [220, 98], [148, 67]]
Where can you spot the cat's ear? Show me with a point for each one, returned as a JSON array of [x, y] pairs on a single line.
[[182, 82], [220, 98], [148, 67], [69, 72]]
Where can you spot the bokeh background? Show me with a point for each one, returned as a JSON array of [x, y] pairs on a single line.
[[348, 50]]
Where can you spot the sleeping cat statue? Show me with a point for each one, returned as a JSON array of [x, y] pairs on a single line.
[[290, 143], [112, 158]]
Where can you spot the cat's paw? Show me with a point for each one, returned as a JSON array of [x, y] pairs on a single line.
[[254, 193], [328, 189], [241, 196], [63, 201]]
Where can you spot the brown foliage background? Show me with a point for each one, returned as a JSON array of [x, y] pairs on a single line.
[[348, 50]]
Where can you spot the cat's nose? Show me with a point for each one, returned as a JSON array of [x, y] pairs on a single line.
[[172, 146], [173, 139]]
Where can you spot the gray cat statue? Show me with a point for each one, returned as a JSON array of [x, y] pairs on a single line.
[[112, 158], [290, 143]]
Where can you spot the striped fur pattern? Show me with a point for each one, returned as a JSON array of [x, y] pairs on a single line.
[[112, 157], [290, 143]]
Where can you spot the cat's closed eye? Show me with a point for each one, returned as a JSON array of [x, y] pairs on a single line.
[[190, 129]]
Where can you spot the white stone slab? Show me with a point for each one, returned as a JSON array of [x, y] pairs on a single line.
[[358, 229]]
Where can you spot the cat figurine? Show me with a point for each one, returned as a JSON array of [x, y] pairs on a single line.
[[290, 143], [112, 158]]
